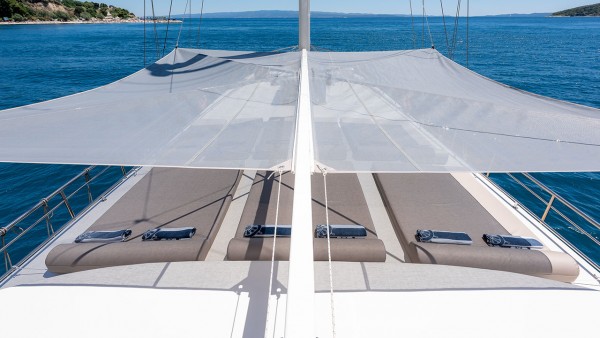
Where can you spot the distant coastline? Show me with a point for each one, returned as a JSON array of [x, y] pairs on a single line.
[[56, 22], [281, 14]]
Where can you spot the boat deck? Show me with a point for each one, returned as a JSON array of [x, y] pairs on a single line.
[[232, 299], [35, 270], [225, 298]]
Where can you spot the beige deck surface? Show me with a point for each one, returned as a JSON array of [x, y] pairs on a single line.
[[347, 205], [166, 198], [440, 202]]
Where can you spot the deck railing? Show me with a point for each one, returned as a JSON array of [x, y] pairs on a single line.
[[557, 212], [54, 211]]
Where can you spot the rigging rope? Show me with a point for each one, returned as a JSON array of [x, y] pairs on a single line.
[[454, 36], [445, 30], [190, 25], [181, 26], [468, 7], [168, 22], [199, 25], [412, 24], [428, 28], [423, 20], [324, 171], [155, 33], [280, 170], [144, 33], [176, 43]]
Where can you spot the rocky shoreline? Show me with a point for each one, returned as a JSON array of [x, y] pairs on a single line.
[[92, 21]]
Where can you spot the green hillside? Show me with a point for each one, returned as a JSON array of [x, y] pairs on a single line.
[[590, 10], [59, 10]]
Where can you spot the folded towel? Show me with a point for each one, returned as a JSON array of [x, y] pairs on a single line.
[[444, 237], [341, 231], [158, 234], [260, 230], [512, 241], [103, 236]]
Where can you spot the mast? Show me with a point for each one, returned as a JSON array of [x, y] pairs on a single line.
[[299, 319], [304, 25]]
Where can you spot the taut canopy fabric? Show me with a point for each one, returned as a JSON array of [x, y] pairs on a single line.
[[399, 111], [192, 108], [417, 111]]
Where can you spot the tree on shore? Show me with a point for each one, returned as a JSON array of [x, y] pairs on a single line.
[[590, 10], [63, 10], [8, 8]]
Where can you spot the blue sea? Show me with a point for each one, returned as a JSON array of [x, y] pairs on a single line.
[[555, 57]]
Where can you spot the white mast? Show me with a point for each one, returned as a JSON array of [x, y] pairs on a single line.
[[304, 24], [300, 320]]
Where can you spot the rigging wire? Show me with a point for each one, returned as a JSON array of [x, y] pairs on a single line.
[[199, 25], [176, 43], [155, 33], [423, 20], [455, 34], [144, 33], [428, 28], [190, 25], [412, 24], [168, 22], [280, 171], [445, 30], [468, 7], [181, 26]]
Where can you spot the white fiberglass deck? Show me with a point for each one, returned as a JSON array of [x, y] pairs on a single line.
[[229, 299]]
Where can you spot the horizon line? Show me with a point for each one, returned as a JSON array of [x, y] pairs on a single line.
[[352, 13]]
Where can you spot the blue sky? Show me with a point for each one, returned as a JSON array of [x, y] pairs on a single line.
[[478, 7]]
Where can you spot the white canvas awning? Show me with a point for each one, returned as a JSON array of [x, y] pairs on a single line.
[[417, 111], [189, 109], [399, 111]]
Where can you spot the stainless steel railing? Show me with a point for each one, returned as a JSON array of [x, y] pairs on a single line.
[[64, 195], [564, 214]]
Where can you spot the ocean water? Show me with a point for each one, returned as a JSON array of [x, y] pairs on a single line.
[[555, 57]]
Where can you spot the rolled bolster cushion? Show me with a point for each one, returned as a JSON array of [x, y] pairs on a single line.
[[158, 234], [341, 231], [444, 237], [512, 241], [260, 230], [342, 249], [103, 236]]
